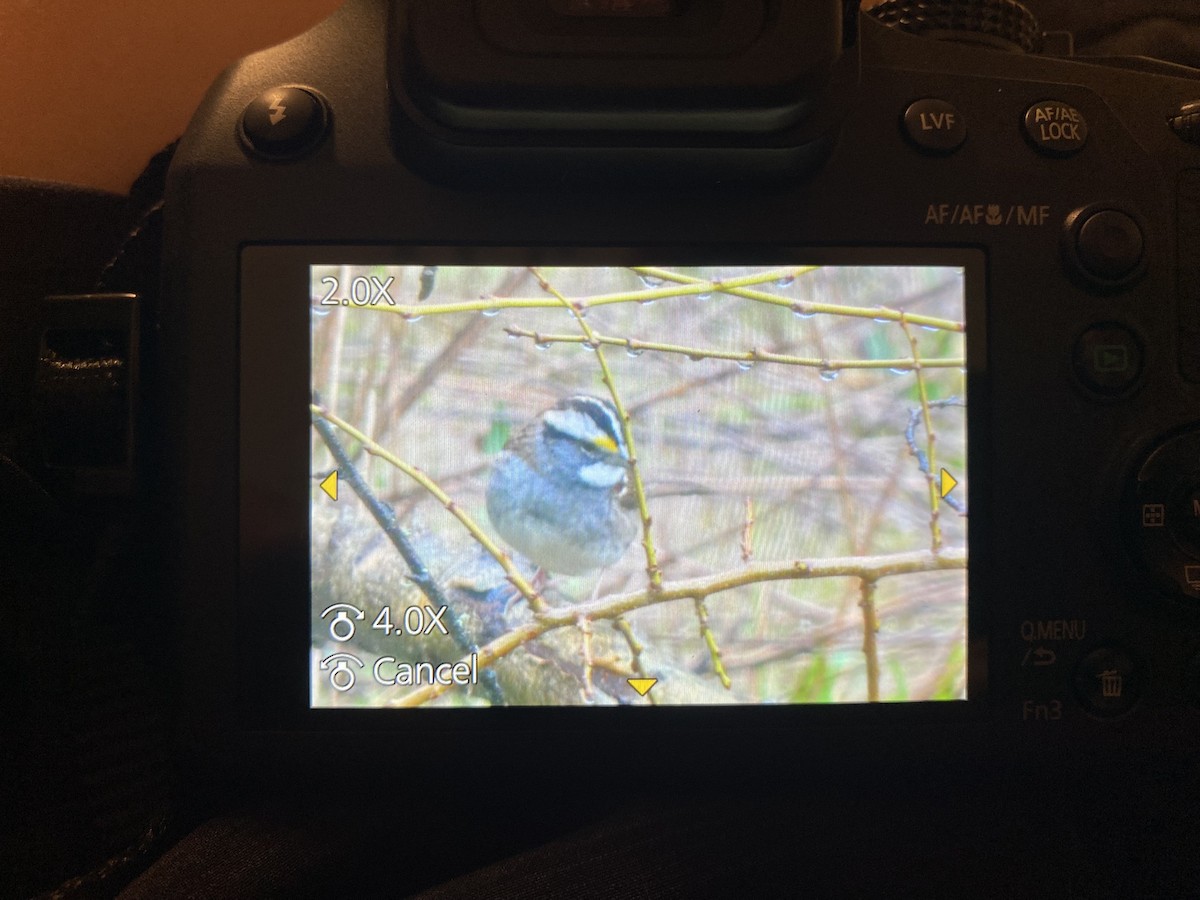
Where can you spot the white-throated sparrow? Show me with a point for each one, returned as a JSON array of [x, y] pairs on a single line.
[[558, 489]]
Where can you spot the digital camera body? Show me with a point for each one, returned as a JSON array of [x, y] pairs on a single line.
[[410, 139]]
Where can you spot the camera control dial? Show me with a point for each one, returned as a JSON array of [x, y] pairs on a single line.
[[1164, 512], [1002, 24]]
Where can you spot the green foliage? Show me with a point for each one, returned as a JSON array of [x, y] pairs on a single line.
[[949, 686], [815, 684], [497, 434]]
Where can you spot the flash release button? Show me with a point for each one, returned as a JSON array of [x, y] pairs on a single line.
[[284, 122]]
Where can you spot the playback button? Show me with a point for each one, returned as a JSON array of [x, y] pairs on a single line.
[[285, 122], [1108, 359]]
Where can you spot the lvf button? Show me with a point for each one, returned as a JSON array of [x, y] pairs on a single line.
[[1108, 682], [1055, 128], [285, 122], [935, 125]]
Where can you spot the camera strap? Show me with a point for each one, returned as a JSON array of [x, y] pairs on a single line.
[[89, 654]]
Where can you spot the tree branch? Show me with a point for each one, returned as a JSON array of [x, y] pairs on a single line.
[[870, 568]]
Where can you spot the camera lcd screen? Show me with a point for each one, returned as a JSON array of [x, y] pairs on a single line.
[[638, 485]]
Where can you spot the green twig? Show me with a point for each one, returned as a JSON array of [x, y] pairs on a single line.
[[804, 307], [870, 647], [653, 571], [935, 495], [710, 641], [682, 286], [752, 356]]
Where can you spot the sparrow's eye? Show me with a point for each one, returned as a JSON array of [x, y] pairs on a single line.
[[589, 423], [599, 448]]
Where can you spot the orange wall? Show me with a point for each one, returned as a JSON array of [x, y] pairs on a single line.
[[89, 91]]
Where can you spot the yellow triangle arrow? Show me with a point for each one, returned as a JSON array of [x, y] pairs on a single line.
[[329, 485], [948, 482], [642, 685]]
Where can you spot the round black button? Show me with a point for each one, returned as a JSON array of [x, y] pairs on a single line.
[[1108, 682], [935, 125], [1109, 245], [1108, 358], [1056, 129], [284, 122]]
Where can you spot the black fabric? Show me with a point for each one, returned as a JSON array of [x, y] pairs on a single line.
[[84, 772], [54, 823], [54, 238], [1066, 827], [88, 791]]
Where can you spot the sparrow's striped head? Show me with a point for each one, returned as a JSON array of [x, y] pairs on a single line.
[[593, 425]]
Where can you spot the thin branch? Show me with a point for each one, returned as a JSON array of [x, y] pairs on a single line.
[[614, 666], [870, 646], [836, 436], [653, 571], [747, 541], [710, 641], [745, 357], [935, 496], [801, 307], [649, 295], [683, 286]]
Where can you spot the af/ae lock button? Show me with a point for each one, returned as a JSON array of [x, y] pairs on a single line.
[[1107, 359], [285, 122], [1055, 128]]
